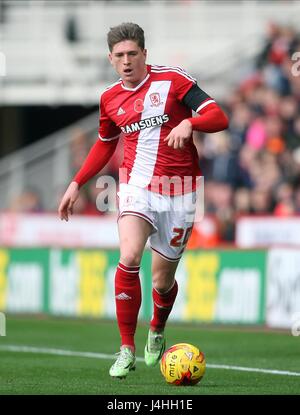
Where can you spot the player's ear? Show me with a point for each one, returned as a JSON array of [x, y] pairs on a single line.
[[145, 53], [110, 57]]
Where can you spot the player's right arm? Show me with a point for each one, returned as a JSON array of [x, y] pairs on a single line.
[[97, 158]]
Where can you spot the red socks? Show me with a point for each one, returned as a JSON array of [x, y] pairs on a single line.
[[162, 306], [128, 301]]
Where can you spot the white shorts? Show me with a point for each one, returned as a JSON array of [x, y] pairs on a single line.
[[171, 217]]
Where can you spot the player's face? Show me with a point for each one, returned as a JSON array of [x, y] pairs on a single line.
[[129, 60]]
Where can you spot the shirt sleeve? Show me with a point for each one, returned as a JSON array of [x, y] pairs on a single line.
[[211, 119], [183, 82], [107, 130]]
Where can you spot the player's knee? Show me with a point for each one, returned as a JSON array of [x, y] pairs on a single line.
[[130, 259], [161, 283]]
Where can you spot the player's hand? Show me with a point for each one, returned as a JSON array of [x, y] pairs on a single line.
[[69, 198], [180, 135]]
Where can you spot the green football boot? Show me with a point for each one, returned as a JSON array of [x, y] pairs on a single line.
[[124, 364], [154, 348]]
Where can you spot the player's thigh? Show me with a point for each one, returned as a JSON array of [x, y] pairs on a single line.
[[133, 234], [163, 272]]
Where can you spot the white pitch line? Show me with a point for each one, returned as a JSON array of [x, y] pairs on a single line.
[[63, 352], [58, 352], [254, 369]]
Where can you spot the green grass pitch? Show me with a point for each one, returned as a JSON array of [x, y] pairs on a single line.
[[41, 370]]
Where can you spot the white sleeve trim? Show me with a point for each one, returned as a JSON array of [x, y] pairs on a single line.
[[108, 139], [205, 104]]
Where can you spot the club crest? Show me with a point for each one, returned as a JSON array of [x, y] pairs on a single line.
[[155, 99]]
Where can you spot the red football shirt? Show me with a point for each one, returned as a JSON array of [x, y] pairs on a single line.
[[145, 115]]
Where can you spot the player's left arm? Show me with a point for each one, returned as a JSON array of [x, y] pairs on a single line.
[[211, 118]]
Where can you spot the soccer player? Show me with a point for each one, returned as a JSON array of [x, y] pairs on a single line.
[[152, 107]]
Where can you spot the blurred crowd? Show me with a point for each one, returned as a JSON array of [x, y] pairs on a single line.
[[253, 168]]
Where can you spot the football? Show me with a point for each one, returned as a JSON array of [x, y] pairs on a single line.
[[183, 364]]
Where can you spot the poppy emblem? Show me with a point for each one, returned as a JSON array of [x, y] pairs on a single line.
[[138, 105]]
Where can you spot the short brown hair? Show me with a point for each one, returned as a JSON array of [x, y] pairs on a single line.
[[126, 31]]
